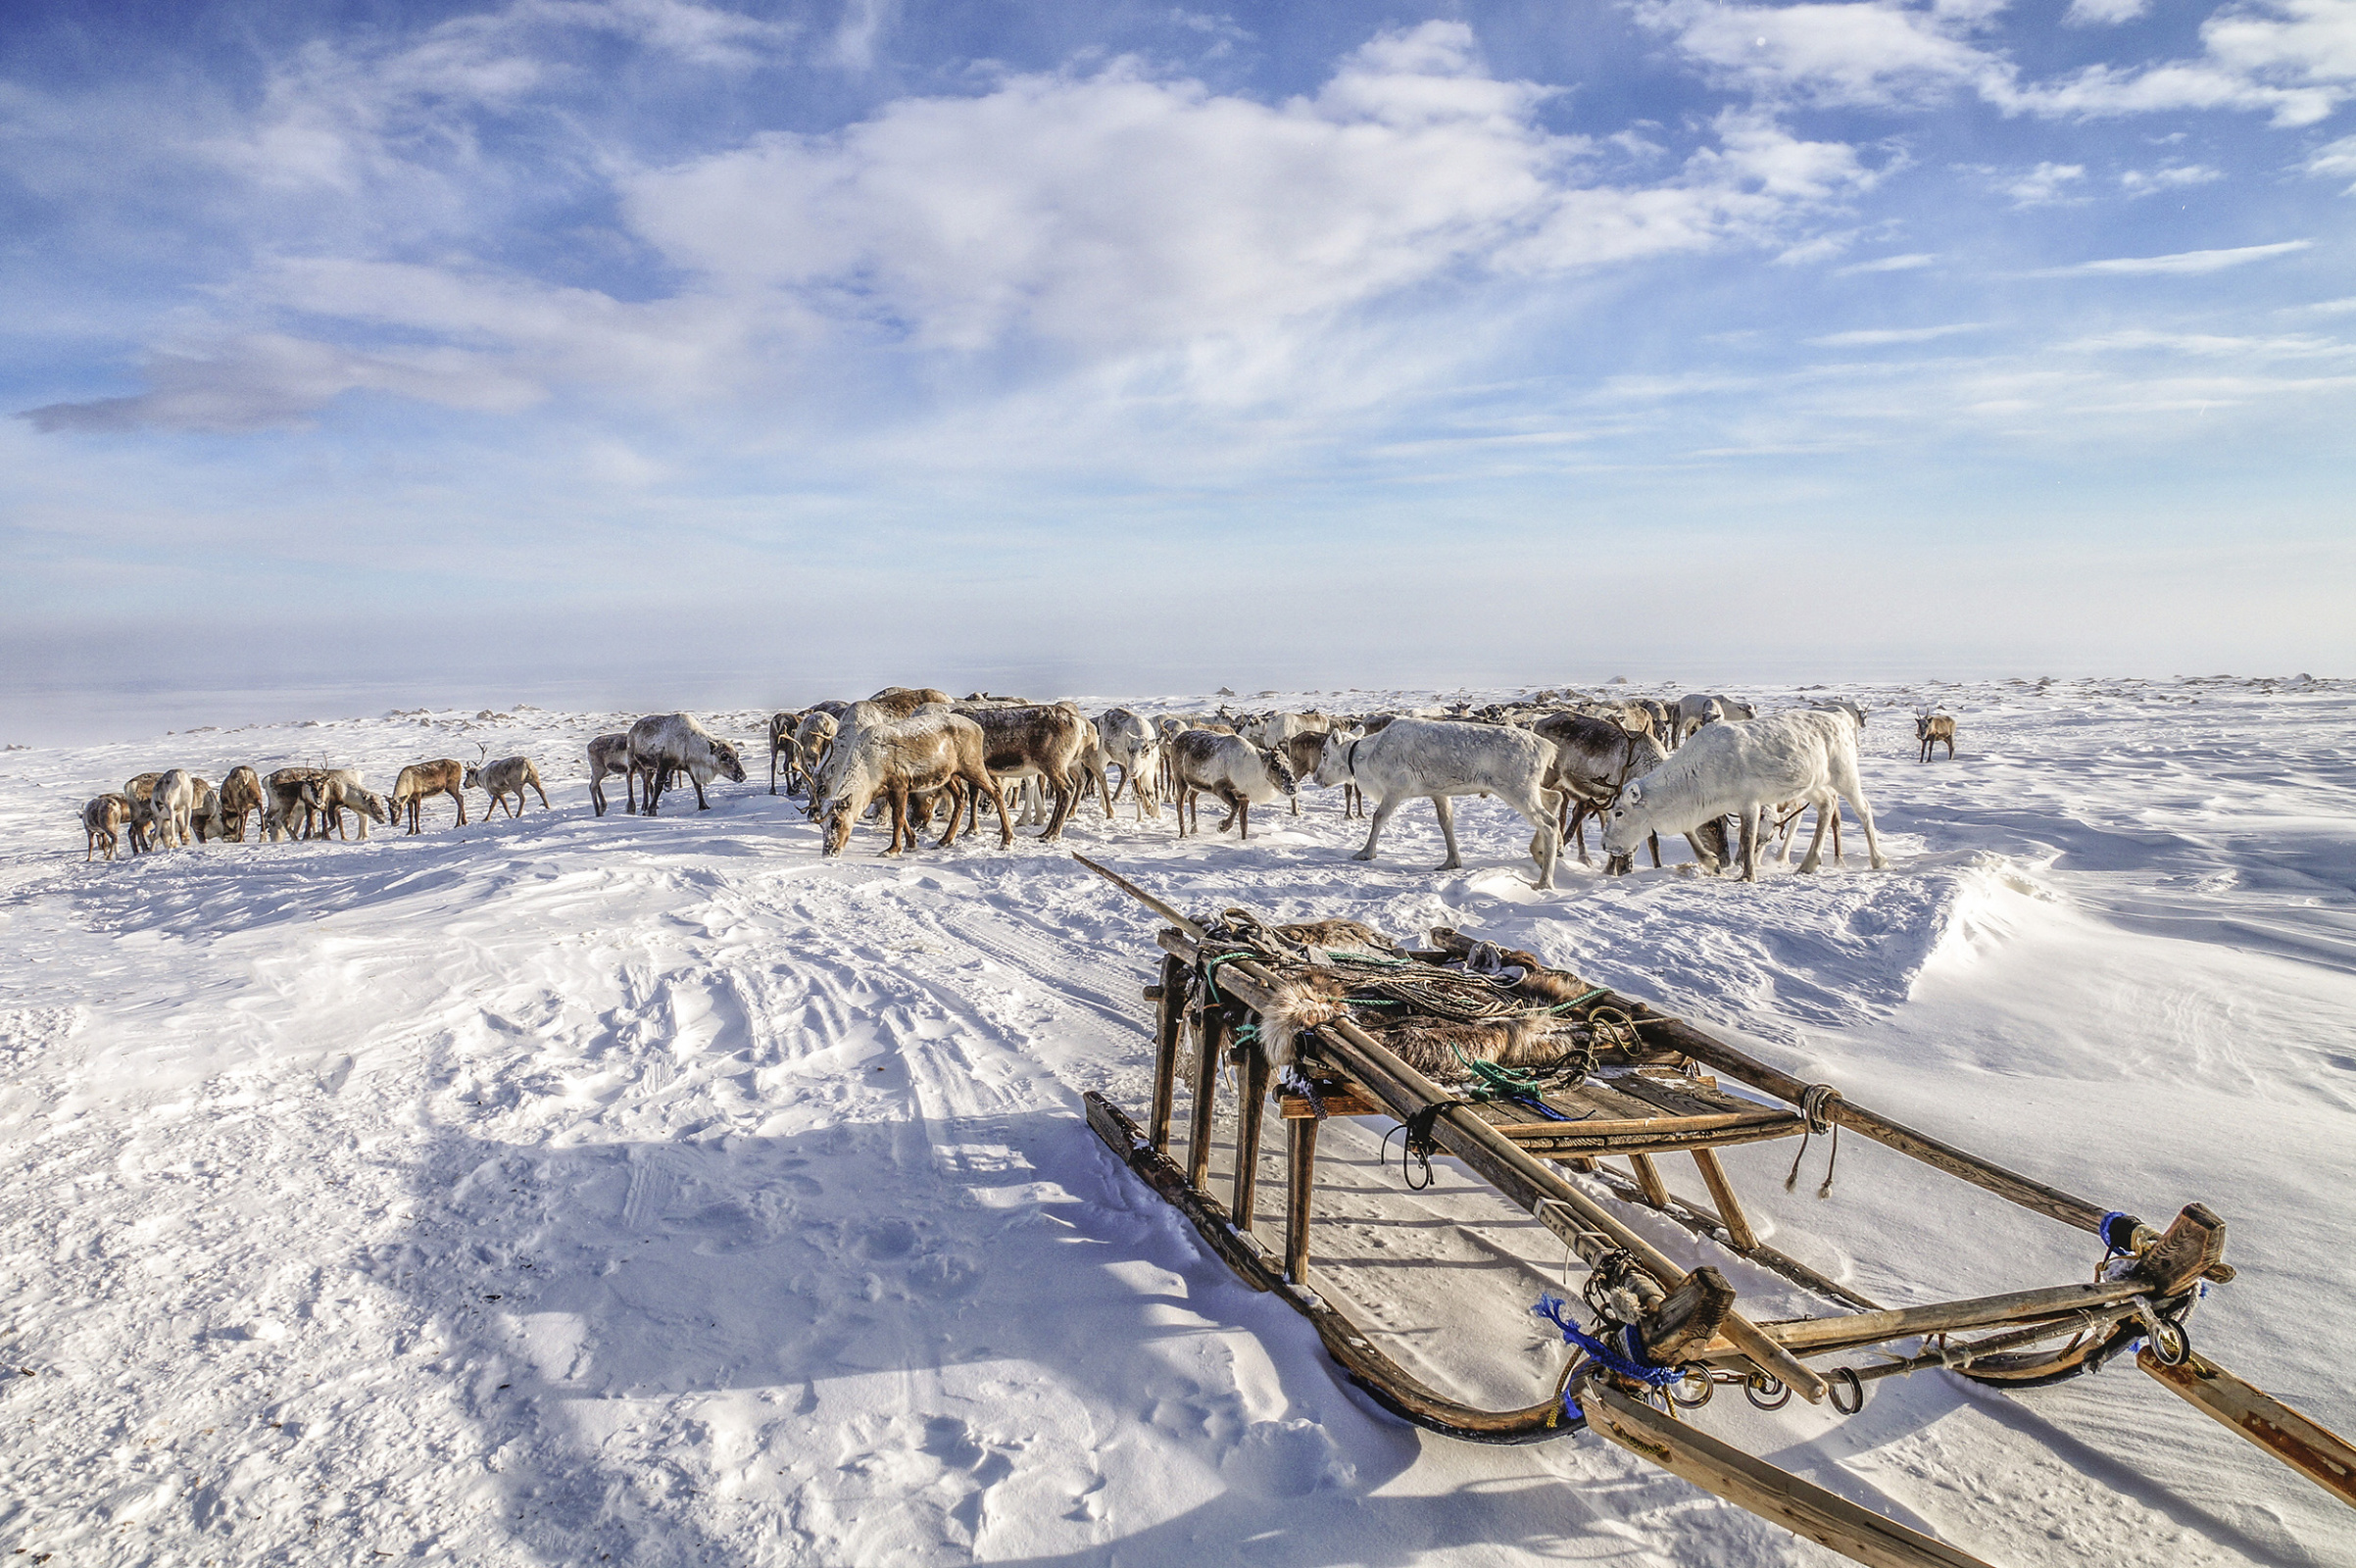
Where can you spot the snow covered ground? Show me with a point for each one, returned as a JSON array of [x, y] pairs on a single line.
[[571, 1189]]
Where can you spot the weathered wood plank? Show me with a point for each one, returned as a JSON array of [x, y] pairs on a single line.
[[1254, 1082], [1722, 1197], [1801, 1506], [1169, 1021], [1210, 1042], [2308, 1447], [1300, 1179], [1815, 1335]]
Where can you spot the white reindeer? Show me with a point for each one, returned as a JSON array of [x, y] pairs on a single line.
[[1207, 762], [664, 742], [171, 805], [1747, 767], [1439, 759], [1132, 744]]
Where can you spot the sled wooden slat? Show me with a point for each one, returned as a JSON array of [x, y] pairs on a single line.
[[2308, 1447], [1801, 1506]]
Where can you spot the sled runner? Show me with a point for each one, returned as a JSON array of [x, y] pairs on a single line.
[[1529, 1075]]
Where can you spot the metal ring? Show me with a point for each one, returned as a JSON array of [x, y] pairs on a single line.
[[2171, 1342], [1766, 1390], [1841, 1377], [1697, 1373]]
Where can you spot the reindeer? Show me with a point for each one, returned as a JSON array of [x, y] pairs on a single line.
[[172, 801], [1050, 741], [896, 759], [103, 821], [1130, 743], [1226, 765], [610, 755], [814, 739], [287, 789], [1441, 759], [1931, 729], [507, 776], [662, 743], [781, 744], [420, 782], [341, 788], [1747, 767], [139, 790], [236, 802]]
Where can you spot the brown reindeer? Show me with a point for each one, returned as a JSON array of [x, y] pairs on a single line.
[[420, 782], [1050, 741], [104, 819], [915, 758], [608, 756], [1933, 728], [236, 802]]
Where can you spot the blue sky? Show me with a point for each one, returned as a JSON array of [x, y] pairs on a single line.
[[644, 350]]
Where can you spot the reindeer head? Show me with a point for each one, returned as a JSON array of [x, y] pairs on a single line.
[[834, 824], [1333, 760], [1279, 771], [1624, 828], [724, 756], [471, 779]]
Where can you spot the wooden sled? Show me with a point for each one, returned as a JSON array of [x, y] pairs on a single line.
[[1650, 1090]]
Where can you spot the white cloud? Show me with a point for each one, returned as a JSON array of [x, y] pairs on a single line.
[[1891, 264], [2044, 185], [2143, 182], [2333, 161], [2181, 263], [2293, 59], [1874, 337], [1138, 225], [1118, 210], [2103, 13]]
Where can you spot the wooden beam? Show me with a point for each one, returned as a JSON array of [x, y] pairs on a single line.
[[1169, 1025], [1689, 1318], [1211, 1036], [1300, 1176], [1816, 1335], [2011, 1186], [1647, 1176], [1253, 1077], [1801, 1506], [2308, 1447], [1722, 1199]]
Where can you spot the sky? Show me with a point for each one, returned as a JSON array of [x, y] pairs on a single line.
[[650, 353]]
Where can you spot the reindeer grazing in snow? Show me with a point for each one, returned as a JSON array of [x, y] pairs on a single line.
[[1439, 759], [103, 821], [814, 739], [896, 759], [504, 777], [662, 744], [236, 802], [171, 801], [1230, 768], [340, 788], [1747, 767], [140, 791], [288, 790], [420, 782], [1931, 729]]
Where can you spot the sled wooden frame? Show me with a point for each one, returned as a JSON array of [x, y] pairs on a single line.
[[1690, 1319]]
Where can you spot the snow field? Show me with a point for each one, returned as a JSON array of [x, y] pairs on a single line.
[[564, 1189]]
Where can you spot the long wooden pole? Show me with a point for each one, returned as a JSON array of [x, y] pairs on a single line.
[[2308, 1447]]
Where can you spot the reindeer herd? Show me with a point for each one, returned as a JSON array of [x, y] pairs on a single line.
[[1641, 768]]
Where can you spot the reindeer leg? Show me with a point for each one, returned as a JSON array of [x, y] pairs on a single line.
[[1374, 829], [1446, 810]]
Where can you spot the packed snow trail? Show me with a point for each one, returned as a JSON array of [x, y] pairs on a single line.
[[564, 1189]]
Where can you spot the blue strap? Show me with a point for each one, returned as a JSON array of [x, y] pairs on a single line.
[[1628, 1362]]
